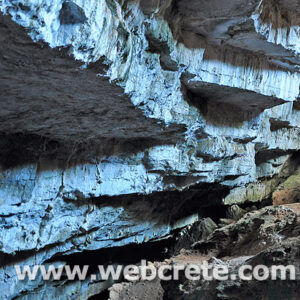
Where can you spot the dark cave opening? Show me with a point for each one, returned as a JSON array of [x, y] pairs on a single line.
[[102, 296]]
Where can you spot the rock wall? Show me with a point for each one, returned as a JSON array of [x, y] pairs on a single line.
[[169, 104]]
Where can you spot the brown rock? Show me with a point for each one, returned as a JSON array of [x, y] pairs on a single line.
[[288, 191]]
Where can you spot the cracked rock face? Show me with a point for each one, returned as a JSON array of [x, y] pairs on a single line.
[[253, 240], [121, 119]]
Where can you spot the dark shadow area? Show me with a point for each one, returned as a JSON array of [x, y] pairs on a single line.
[[7, 259], [225, 106], [102, 296], [47, 97], [296, 104], [19, 149], [277, 124], [131, 254], [162, 48], [164, 207], [266, 155]]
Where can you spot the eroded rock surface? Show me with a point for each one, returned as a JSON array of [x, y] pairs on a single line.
[[112, 110], [269, 236], [288, 192]]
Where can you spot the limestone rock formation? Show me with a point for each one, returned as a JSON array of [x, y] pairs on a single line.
[[288, 191], [254, 240], [123, 121]]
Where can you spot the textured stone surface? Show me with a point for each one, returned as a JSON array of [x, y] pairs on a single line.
[[140, 290], [288, 192], [269, 236], [253, 233], [283, 252], [191, 96], [46, 93], [71, 14]]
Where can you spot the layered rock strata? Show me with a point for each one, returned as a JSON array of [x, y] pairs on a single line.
[[159, 103]]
